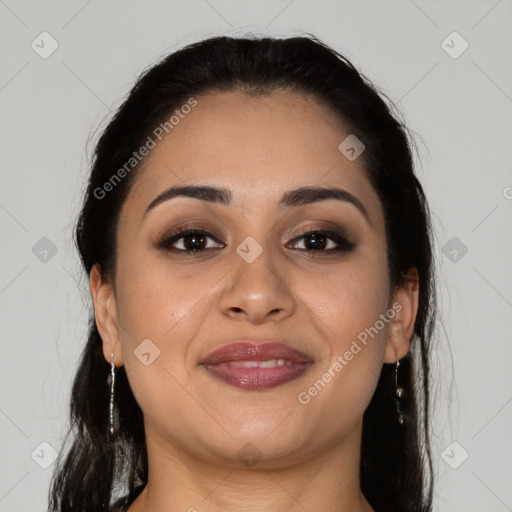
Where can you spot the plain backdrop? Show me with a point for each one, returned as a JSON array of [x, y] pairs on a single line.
[[457, 99]]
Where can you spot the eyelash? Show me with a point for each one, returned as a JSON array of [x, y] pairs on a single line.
[[343, 244]]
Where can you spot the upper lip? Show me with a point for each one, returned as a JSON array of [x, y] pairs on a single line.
[[251, 351]]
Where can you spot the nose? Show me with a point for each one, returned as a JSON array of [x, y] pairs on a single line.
[[257, 292]]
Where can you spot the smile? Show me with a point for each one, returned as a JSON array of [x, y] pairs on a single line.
[[256, 375]]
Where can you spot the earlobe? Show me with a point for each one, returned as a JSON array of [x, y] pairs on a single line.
[[401, 327], [105, 313]]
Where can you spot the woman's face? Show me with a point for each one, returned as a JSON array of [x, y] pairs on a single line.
[[253, 278]]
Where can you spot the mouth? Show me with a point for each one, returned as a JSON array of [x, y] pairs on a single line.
[[256, 366]]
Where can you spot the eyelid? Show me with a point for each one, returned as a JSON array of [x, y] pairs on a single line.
[[191, 226], [167, 240], [333, 233], [338, 236]]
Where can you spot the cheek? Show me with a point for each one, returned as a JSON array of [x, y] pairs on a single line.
[[168, 308], [155, 305], [345, 381], [347, 300], [349, 306], [154, 300]]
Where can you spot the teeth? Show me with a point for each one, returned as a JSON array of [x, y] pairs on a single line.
[[271, 363]]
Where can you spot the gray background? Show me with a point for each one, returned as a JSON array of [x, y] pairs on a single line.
[[461, 107]]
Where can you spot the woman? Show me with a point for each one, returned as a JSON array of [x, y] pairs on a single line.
[[260, 262]]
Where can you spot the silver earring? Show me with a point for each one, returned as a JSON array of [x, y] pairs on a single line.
[[398, 394], [112, 379]]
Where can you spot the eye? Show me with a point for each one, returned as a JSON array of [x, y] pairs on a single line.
[[191, 240], [196, 240], [324, 241]]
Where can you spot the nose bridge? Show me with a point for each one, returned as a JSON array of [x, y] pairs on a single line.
[[255, 260], [257, 286]]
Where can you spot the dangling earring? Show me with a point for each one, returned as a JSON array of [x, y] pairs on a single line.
[[398, 394], [112, 380], [110, 450]]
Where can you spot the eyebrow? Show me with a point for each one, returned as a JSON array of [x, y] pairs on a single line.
[[297, 197]]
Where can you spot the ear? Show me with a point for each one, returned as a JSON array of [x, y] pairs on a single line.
[[401, 328], [105, 313]]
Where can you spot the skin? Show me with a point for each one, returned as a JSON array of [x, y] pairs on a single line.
[[258, 148]]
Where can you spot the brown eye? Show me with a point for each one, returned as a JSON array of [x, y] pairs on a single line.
[[324, 241], [189, 240]]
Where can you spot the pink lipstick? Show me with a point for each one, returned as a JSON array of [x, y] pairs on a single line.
[[256, 366]]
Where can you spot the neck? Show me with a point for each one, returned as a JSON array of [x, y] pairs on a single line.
[[180, 481]]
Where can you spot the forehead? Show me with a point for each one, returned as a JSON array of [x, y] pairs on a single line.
[[258, 147]]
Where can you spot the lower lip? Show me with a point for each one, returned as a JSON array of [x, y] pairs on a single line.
[[257, 378]]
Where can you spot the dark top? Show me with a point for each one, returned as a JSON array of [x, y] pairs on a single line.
[[122, 504]]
